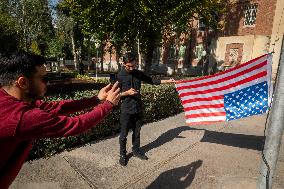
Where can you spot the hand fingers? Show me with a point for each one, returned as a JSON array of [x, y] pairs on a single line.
[[115, 86], [116, 92], [108, 87], [114, 96]]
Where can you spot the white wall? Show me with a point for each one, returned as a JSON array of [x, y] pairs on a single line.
[[254, 46], [277, 35]]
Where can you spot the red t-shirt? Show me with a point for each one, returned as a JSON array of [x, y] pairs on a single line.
[[21, 123]]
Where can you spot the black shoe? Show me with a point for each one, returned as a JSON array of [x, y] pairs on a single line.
[[122, 160], [140, 155]]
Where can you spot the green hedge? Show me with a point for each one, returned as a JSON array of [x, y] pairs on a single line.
[[159, 102]]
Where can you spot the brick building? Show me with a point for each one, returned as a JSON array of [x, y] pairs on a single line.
[[250, 28]]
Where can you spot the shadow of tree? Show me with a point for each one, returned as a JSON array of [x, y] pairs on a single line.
[[178, 178], [233, 15], [231, 21], [230, 139], [236, 140]]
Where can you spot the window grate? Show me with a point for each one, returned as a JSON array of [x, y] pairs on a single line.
[[250, 15]]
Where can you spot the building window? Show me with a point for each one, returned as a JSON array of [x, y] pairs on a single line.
[[201, 24], [250, 15], [156, 53], [199, 51], [172, 53], [233, 56]]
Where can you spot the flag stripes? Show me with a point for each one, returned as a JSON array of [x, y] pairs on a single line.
[[203, 98]]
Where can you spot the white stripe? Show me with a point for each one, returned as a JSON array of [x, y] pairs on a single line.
[[201, 119], [199, 103], [227, 82], [204, 110], [213, 78], [269, 75], [218, 93]]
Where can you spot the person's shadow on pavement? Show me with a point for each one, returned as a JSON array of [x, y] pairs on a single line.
[[178, 178], [166, 137]]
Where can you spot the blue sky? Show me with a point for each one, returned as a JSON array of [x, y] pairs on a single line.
[[53, 2]]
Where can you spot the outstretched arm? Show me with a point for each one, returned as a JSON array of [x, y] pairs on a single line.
[[71, 106], [129, 92], [36, 123], [168, 81], [152, 81], [68, 106]]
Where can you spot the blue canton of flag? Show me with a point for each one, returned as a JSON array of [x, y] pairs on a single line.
[[246, 102]]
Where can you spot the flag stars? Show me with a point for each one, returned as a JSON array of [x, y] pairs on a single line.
[[249, 101]]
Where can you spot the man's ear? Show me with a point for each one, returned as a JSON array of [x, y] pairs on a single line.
[[22, 82]]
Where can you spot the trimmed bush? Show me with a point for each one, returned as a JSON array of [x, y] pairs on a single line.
[[159, 102]]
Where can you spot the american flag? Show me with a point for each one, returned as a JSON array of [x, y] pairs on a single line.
[[232, 94]]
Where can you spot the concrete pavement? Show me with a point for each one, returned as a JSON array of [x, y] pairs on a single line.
[[219, 156]]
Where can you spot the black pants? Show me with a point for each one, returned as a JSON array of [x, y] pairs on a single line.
[[134, 122], [81, 71]]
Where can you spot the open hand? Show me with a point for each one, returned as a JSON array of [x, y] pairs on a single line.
[[131, 92], [172, 80], [113, 94], [104, 92]]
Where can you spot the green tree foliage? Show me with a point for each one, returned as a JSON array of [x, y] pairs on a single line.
[[36, 23], [147, 20], [70, 30], [32, 22], [9, 38]]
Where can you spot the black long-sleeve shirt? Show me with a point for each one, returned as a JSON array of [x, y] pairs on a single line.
[[133, 79]]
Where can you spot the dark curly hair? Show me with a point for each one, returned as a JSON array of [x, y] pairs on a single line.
[[18, 64], [128, 57]]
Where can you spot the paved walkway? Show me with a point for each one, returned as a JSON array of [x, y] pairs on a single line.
[[219, 156]]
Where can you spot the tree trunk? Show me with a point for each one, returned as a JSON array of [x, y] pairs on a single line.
[[118, 54], [24, 26], [89, 54], [102, 56], [74, 51]]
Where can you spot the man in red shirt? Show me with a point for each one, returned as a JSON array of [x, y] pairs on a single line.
[[24, 117]]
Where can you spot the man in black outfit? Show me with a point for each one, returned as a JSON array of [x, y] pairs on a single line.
[[131, 105]]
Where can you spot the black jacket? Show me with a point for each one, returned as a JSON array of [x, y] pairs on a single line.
[[133, 79]]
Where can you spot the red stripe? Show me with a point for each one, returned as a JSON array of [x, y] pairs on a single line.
[[224, 72], [204, 106], [251, 78], [203, 99], [203, 122], [225, 78], [206, 115]]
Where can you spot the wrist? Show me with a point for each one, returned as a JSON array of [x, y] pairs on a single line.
[[97, 100], [109, 102], [100, 99]]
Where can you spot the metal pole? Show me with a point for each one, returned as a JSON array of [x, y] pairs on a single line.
[[275, 130], [97, 64], [139, 54]]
